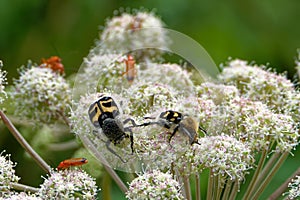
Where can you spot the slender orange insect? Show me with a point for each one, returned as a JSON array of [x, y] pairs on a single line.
[[53, 63], [71, 162], [130, 70]]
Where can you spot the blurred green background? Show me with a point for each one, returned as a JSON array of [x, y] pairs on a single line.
[[260, 31]]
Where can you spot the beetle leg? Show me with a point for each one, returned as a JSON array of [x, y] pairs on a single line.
[[174, 132], [112, 151]]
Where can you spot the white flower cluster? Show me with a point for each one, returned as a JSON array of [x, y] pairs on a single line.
[[294, 185], [68, 184], [102, 71], [3, 82], [21, 196], [41, 94], [7, 173], [223, 155], [258, 84], [154, 185], [141, 32]]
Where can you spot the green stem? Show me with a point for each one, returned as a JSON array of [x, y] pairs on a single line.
[[256, 173], [269, 165], [72, 144], [284, 186], [227, 190], [218, 188], [271, 174], [198, 189], [106, 187], [234, 190], [24, 143], [187, 187], [22, 187], [210, 186]]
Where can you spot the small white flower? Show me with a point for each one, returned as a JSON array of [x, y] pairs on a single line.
[[154, 185], [68, 184], [21, 196], [41, 94], [259, 84], [223, 154], [3, 82], [140, 31], [294, 185], [7, 173]]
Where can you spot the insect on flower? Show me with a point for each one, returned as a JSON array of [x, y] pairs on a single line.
[[71, 162], [105, 115], [53, 63], [179, 123], [130, 70]]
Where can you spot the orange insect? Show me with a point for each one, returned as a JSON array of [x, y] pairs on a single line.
[[71, 162], [53, 63], [130, 70], [136, 24]]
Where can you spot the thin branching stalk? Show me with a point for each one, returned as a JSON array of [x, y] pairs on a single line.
[[227, 189], [112, 173], [197, 185], [22, 187], [65, 119], [266, 170], [284, 186], [180, 179], [210, 186], [219, 187], [24, 143], [72, 144], [267, 180], [234, 190], [252, 184], [187, 187], [215, 186]]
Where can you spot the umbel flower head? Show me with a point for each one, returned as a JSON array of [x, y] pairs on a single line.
[[260, 127], [223, 154], [7, 173], [40, 94], [128, 32], [102, 71], [259, 84], [68, 184], [154, 185], [294, 185], [3, 82]]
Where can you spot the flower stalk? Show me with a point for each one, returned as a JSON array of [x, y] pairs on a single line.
[[24, 143]]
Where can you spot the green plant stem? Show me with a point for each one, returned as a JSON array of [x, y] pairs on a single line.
[[210, 186], [198, 189], [234, 190], [227, 190], [22, 187], [218, 187], [24, 143], [284, 186], [72, 144], [106, 187], [256, 173], [271, 174], [106, 166], [187, 187]]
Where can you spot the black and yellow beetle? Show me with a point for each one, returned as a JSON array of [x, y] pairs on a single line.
[[181, 123], [105, 114]]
